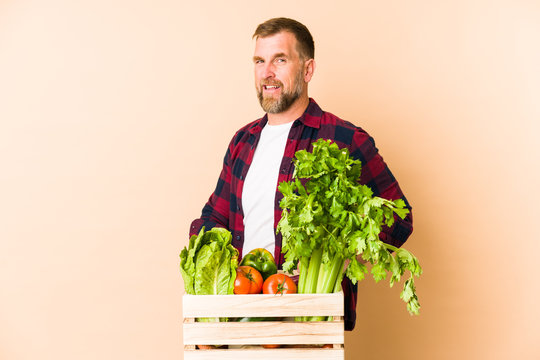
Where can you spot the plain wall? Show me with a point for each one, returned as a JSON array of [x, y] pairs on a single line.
[[115, 116]]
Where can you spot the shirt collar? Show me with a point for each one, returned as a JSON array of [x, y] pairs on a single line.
[[311, 117]]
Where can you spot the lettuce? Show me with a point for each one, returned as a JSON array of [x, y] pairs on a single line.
[[208, 265]]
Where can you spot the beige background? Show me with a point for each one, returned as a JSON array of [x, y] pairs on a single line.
[[115, 115]]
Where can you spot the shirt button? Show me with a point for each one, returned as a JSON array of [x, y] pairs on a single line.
[[241, 177], [237, 237]]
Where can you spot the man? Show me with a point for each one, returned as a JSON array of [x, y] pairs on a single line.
[[246, 200]]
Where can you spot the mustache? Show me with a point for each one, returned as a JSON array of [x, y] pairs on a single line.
[[271, 83]]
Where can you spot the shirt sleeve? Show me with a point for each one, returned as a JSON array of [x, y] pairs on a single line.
[[215, 212], [377, 175]]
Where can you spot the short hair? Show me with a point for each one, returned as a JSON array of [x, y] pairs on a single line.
[[305, 47]]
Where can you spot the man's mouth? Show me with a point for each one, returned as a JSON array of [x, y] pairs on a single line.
[[270, 87]]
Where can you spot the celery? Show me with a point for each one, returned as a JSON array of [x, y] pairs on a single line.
[[330, 218]]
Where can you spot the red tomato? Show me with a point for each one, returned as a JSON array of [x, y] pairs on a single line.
[[248, 280], [279, 284], [271, 346]]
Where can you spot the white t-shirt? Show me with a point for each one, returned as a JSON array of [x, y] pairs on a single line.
[[260, 186]]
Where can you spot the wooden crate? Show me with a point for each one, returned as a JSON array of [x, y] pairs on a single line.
[[302, 339]]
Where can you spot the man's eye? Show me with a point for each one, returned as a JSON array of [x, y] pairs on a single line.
[[259, 61], [280, 60]]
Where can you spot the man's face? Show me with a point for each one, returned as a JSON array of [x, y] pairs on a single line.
[[279, 79]]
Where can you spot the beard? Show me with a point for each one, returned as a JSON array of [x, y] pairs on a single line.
[[285, 99]]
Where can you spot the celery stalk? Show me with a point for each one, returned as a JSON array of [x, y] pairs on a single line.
[[313, 271], [304, 263]]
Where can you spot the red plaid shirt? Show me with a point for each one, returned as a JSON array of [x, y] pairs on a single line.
[[224, 208]]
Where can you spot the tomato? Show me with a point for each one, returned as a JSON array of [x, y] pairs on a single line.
[[248, 281], [271, 346], [262, 260], [279, 284]]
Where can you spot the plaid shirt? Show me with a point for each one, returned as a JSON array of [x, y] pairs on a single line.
[[224, 208]]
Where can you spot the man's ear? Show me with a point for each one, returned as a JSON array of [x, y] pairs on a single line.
[[309, 69]]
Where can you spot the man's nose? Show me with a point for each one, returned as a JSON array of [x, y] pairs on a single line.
[[269, 71]]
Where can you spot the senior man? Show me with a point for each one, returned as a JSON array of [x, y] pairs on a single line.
[[246, 200]]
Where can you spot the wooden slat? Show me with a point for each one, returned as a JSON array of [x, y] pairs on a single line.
[[263, 332], [266, 354], [263, 305]]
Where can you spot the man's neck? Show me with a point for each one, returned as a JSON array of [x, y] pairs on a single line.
[[294, 112]]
